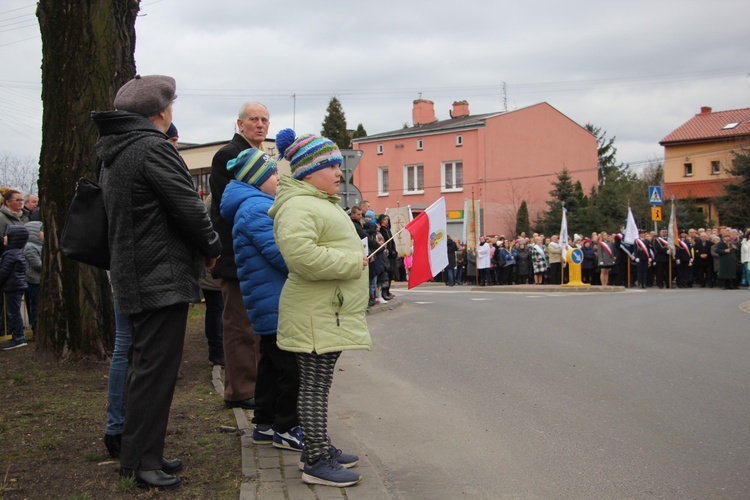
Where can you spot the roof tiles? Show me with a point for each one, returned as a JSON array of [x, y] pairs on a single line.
[[710, 125]]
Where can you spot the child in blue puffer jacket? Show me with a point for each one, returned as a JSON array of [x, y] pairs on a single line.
[[13, 284], [262, 273]]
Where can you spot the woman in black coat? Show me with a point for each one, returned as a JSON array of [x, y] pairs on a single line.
[[384, 227]]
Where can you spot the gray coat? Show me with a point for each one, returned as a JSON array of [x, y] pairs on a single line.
[[159, 230]]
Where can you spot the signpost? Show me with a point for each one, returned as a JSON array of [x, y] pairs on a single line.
[[655, 199], [656, 214]]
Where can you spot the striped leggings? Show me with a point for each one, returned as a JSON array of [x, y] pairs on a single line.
[[315, 379]]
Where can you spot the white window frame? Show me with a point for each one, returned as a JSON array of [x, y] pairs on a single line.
[[717, 170], [688, 169], [380, 149], [383, 174], [459, 140], [444, 179], [413, 172], [420, 145]]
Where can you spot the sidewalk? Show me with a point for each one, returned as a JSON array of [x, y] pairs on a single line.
[[273, 474]]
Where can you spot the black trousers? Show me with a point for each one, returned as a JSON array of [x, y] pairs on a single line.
[[642, 273], [277, 386], [153, 362], [555, 273], [662, 274]]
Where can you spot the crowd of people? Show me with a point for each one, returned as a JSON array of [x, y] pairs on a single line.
[[706, 258], [718, 257]]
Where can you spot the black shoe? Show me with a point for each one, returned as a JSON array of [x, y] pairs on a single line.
[[152, 478], [247, 404], [171, 466], [113, 444], [216, 361]]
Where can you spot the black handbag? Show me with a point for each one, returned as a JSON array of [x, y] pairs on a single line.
[[85, 234]]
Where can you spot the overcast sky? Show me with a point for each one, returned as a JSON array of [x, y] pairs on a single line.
[[637, 69]]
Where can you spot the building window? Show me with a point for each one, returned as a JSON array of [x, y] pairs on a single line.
[[459, 140], [688, 169], [452, 176], [420, 144], [383, 181], [715, 168], [380, 149], [413, 179]]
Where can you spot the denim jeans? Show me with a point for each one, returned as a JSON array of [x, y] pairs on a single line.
[[373, 286], [746, 272], [118, 374], [449, 276], [12, 321]]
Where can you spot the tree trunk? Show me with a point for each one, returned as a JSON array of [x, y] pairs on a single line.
[[88, 51]]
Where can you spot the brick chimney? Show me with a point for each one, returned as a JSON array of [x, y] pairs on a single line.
[[460, 108], [705, 110], [423, 112]]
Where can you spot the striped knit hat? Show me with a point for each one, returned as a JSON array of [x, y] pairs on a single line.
[[252, 166], [307, 153]]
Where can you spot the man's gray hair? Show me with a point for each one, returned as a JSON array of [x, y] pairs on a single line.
[[243, 108]]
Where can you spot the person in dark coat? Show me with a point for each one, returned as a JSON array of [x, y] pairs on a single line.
[[450, 271], [523, 263], [384, 227], [13, 284], [159, 237], [702, 260], [588, 266], [241, 344], [726, 249]]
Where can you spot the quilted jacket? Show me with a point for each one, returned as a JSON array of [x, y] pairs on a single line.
[[324, 300], [12, 263], [32, 252], [159, 230], [260, 266]]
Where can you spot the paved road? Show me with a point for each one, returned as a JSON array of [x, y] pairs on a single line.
[[501, 395]]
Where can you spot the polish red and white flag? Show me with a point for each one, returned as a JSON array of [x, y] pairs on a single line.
[[429, 235]]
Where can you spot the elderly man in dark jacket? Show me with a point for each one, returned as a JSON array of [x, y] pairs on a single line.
[[241, 344], [159, 234]]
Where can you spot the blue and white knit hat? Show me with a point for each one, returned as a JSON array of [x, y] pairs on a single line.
[[307, 153], [253, 167]]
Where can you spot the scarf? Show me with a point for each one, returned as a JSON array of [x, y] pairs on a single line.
[[606, 247]]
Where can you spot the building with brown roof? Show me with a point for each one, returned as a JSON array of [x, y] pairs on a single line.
[[698, 153]]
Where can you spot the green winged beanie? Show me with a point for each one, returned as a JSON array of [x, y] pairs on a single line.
[[252, 166], [307, 153]]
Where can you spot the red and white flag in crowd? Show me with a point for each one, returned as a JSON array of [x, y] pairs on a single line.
[[429, 234]]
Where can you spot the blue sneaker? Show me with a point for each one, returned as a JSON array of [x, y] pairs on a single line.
[[345, 459], [290, 440], [328, 472], [263, 436]]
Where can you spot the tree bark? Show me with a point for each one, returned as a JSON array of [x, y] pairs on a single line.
[[88, 51]]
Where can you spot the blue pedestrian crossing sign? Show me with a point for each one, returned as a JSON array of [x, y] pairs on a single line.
[[654, 195]]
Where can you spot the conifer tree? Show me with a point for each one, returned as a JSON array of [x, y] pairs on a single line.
[[334, 125]]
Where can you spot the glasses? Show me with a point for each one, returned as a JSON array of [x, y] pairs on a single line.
[[18, 200]]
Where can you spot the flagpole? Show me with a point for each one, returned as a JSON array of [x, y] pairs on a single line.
[[476, 243]]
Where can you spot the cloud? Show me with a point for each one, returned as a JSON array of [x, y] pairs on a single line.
[[636, 69]]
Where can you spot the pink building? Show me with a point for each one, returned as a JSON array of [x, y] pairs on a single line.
[[501, 159]]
